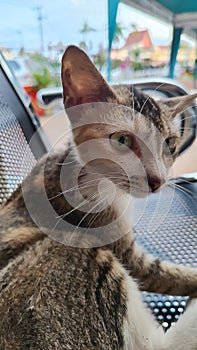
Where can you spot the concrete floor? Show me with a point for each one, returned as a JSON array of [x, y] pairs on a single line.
[[57, 130]]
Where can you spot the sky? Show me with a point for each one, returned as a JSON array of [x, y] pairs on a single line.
[[63, 19]]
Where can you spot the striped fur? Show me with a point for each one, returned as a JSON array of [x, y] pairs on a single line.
[[53, 296]]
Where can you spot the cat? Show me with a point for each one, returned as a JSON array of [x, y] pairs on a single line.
[[75, 284]]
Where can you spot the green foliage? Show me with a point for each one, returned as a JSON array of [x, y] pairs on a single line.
[[55, 64], [136, 53], [86, 28], [99, 60], [83, 45], [137, 66], [184, 44], [134, 27], [116, 64], [36, 56], [43, 73], [118, 32], [43, 79]]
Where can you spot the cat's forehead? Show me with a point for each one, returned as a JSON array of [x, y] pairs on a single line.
[[121, 118], [141, 103]]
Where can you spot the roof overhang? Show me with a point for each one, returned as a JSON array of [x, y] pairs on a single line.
[[186, 20], [152, 8], [181, 15]]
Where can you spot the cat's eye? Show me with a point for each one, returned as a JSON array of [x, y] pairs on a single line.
[[169, 145], [121, 142]]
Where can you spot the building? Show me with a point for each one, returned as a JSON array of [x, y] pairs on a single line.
[[138, 46]]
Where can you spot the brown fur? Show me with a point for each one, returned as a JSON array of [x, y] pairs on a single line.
[[53, 296]]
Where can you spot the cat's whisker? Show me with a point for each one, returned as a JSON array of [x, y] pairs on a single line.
[[185, 118], [184, 190], [186, 109], [175, 185], [185, 128], [172, 182], [75, 188], [92, 208], [81, 204], [94, 218], [184, 180], [90, 212], [172, 190], [102, 200], [66, 163], [73, 209], [149, 97], [66, 191], [84, 217], [80, 187], [61, 217], [133, 102], [187, 182], [108, 173], [110, 176]]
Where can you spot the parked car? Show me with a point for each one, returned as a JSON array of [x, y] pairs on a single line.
[[21, 68], [32, 75]]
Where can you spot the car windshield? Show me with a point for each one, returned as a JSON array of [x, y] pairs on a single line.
[[14, 65]]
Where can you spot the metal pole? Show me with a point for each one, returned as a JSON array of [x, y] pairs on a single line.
[[40, 26], [112, 12], [109, 46]]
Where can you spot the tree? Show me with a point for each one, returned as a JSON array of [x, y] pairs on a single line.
[[85, 30], [118, 32], [136, 54], [83, 45], [21, 51], [134, 27], [99, 60]]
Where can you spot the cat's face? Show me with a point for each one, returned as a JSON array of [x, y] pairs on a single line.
[[121, 134]]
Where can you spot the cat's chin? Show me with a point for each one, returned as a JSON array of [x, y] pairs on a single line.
[[138, 193]]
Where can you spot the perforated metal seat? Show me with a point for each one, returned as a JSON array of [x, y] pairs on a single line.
[[168, 230], [17, 126], [14, 152]]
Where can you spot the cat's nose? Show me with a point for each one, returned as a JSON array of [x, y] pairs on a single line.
[[154, 183]]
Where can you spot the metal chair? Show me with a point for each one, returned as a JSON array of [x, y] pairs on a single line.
[[18, 124]]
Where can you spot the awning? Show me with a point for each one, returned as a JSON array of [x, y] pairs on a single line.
[[182, 14]]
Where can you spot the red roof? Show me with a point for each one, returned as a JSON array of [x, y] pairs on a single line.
[[139, 37]]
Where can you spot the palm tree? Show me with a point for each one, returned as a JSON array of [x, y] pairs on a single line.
[[119, 32], [136, 54], [134, 27], [85, 30], [83, 45]]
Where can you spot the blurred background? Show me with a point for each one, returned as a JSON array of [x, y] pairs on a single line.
[[34, 35]]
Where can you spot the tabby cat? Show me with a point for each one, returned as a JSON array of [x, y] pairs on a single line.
[[74, 283]]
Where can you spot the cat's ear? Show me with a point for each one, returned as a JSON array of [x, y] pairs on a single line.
[[82, 83], [178, 105]]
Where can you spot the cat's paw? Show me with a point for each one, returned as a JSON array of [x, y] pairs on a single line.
[[183, 334], [191, 303]]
